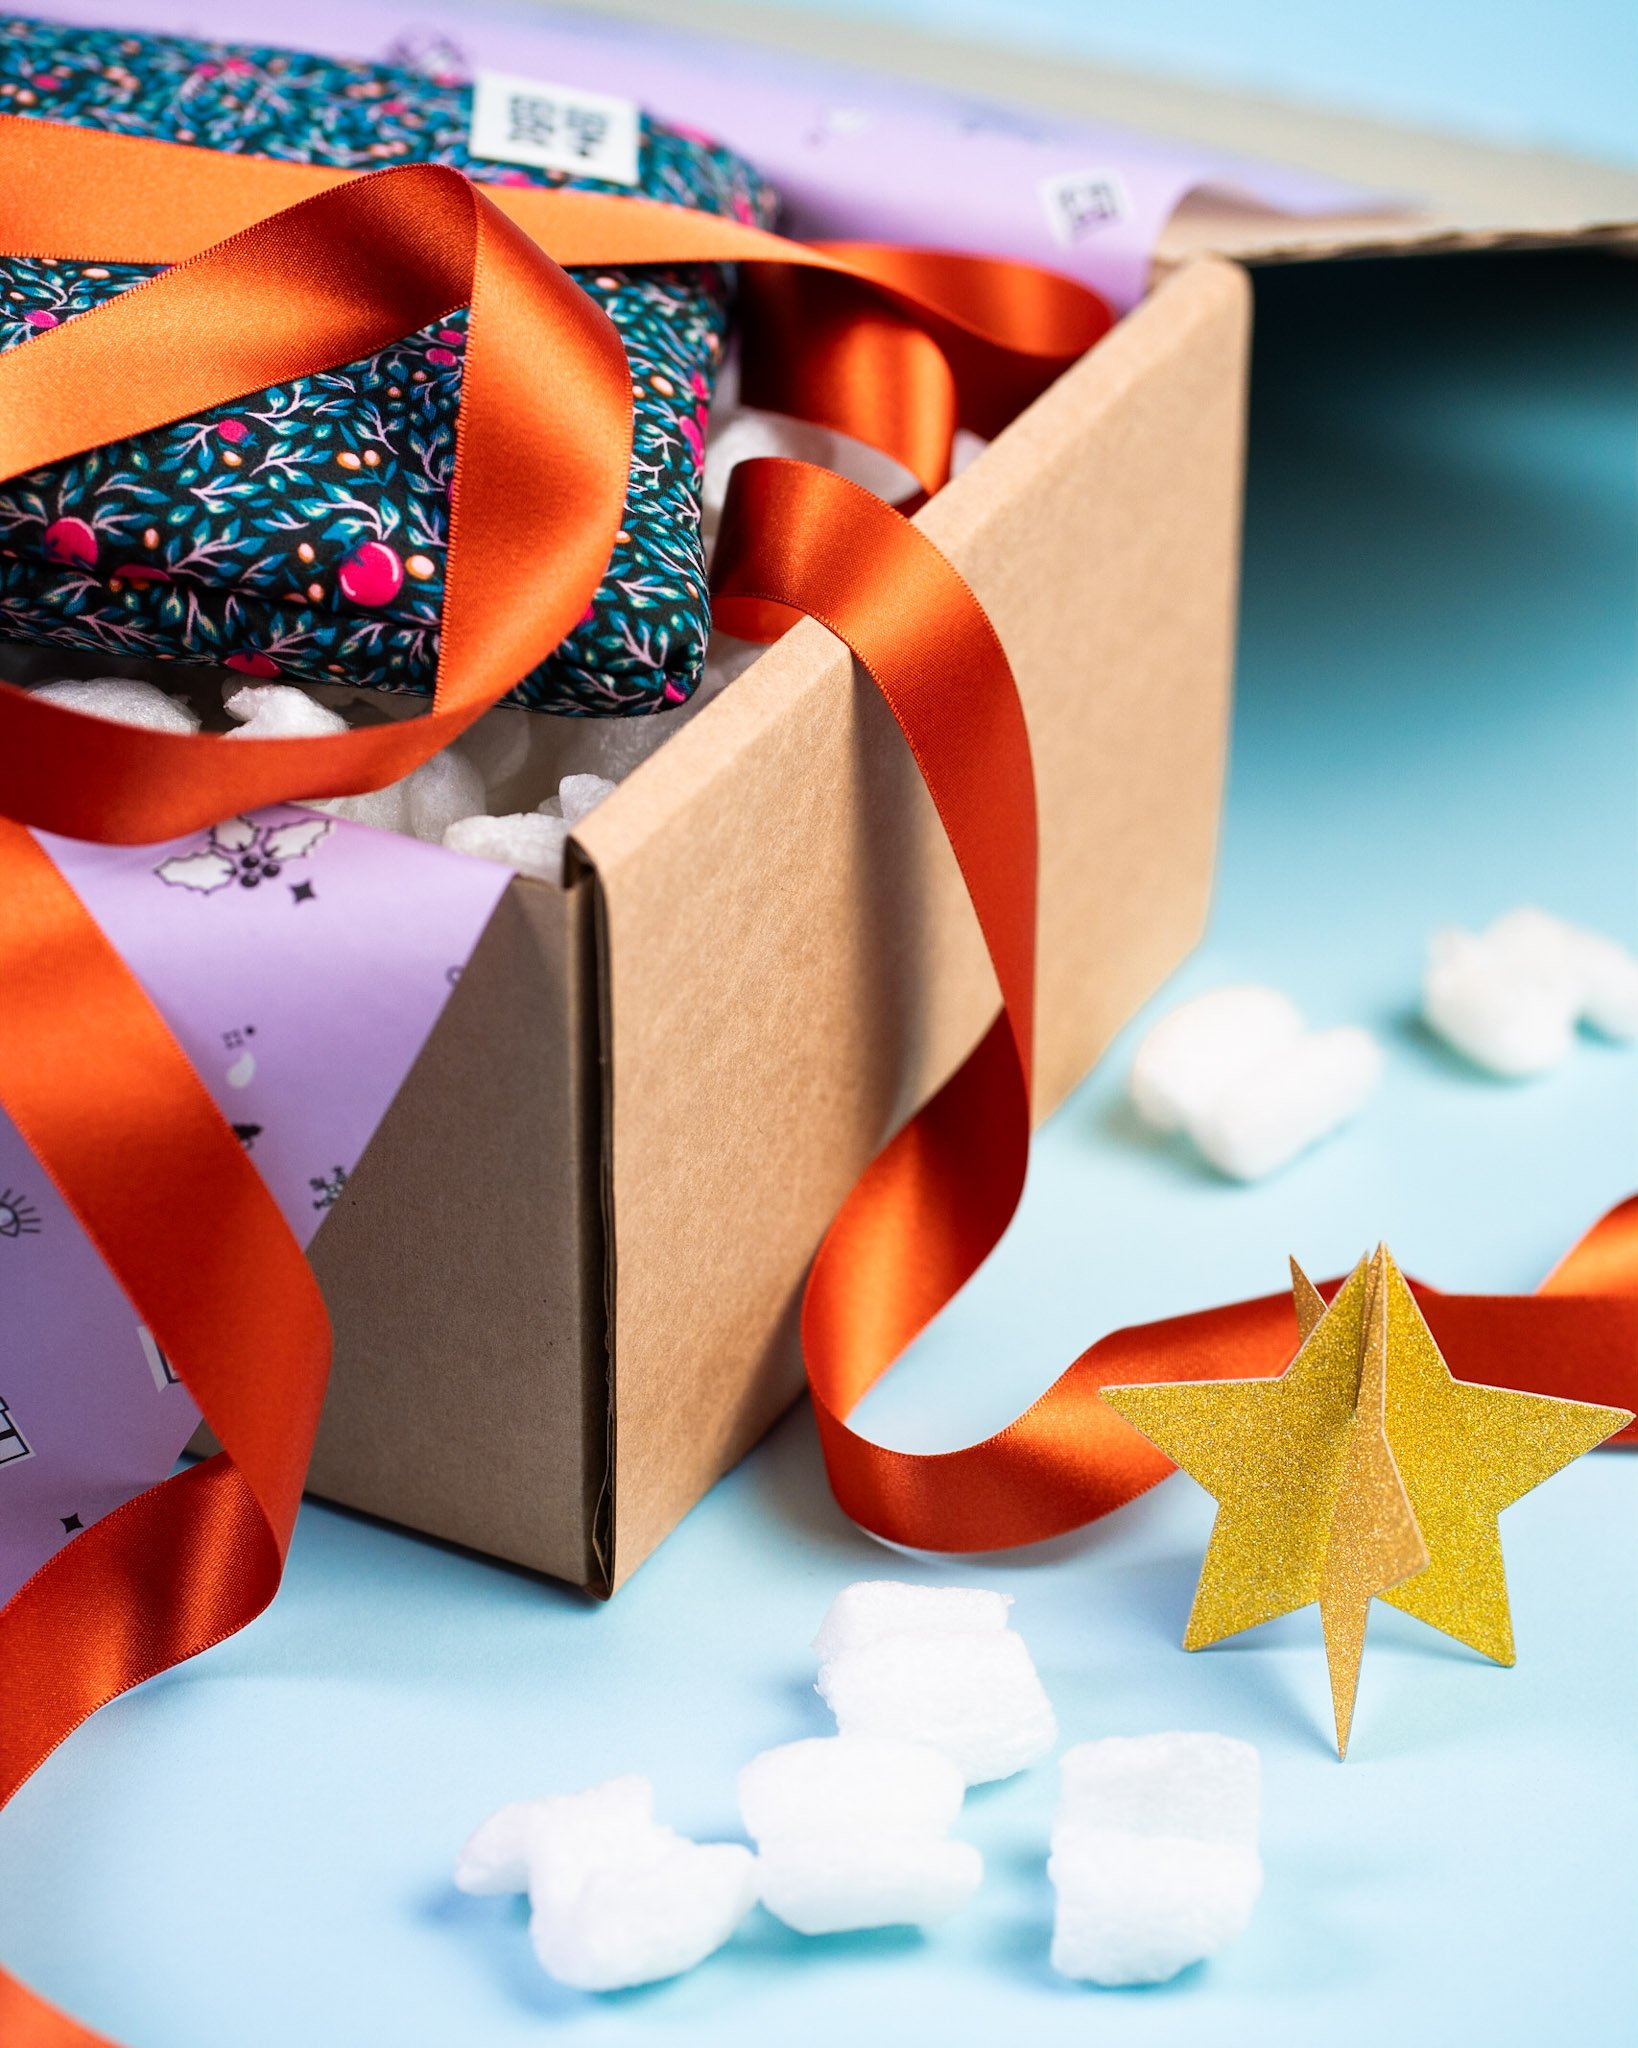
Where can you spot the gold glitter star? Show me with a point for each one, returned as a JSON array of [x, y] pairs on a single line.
[[1364, 1470]]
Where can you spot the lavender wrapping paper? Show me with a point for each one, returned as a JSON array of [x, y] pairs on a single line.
[[855, 155], [302, 1001]]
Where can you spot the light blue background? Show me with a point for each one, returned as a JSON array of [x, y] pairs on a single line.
[[1436, 721], [1563, 73]]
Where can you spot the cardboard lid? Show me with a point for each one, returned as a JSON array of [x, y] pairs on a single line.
[[1458, 194]]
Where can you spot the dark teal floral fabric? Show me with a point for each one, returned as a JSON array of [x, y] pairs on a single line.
[[300, 532]]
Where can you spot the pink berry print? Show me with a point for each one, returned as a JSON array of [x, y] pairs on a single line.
[[371, 575], [452, 335], [140, 574], [71, 542], [443, 357], [690, 430], [233, 431], [41, 318], [253, 663]]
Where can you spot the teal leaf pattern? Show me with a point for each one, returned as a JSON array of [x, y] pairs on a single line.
[[301, 532]]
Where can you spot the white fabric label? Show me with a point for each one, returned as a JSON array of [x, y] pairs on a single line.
[[554, 127], [1078, 203]]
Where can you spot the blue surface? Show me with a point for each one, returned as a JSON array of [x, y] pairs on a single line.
[[1515, 71], [1436, 721]]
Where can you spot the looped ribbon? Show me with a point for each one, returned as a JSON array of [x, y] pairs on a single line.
[[282, 270]]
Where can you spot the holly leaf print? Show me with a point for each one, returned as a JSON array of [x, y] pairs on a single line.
[[234, 835], [205, 872], [290, 842]]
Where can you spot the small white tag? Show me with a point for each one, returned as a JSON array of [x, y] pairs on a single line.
[[1079, 203], [554, 127]]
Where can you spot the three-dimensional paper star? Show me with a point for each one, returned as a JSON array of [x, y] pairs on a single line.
[[1365, 1470]]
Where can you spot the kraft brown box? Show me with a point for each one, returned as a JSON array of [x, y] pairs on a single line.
[[564, 1278]]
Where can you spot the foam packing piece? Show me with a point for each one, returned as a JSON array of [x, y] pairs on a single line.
[[976, 1698], [577, 795], [421, 805], [531, 841], [525, 841], [1154, 1854], [1239, 1071], [843, 1784], [566, 1830], [1136, 1909], [872, 1608], [615, 1898], [1205, 1786], [839, 1883], [122, 700], [850, 1831], [1510, 998], [278, 711], [638, 1921]]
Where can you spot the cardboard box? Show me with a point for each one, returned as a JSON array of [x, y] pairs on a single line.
[[565, 1277]]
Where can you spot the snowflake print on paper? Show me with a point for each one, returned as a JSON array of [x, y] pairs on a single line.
[[14, 1448], [241, 851], [327, 1187], [18, 1215]]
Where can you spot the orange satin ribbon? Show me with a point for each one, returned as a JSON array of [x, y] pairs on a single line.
[[933, 1204], [893, 346]]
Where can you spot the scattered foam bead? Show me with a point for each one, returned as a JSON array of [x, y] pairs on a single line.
[[1197, 1050], [1241, 1074], [636, 1923], [1136, 1909], [440, 792], [498, 744], [1289, 1102], [572, 1830], [1510, 998], [122, 700], [1605, 971], [525, 841], [1204, 1786], [577, 1835], [495, 1859], [838, 1784], [386, 810], [975, 1697], [850, 1831], [834, 1883], [579, 794], [872, 1608], [279, 711]]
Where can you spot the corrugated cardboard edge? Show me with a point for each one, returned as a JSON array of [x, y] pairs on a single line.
[[464, 1264], [792, 964]]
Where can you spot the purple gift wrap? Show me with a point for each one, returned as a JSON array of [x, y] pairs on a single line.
[[856, 156], [301, 962]]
